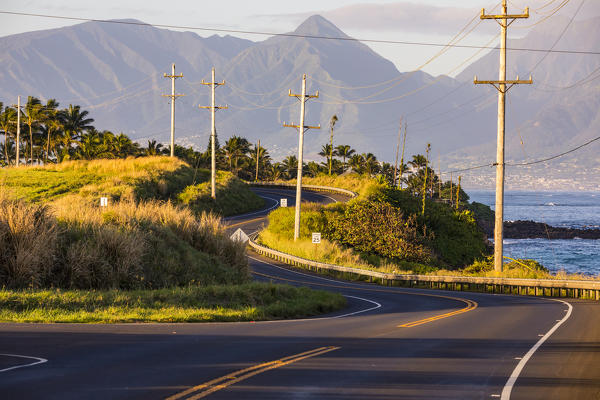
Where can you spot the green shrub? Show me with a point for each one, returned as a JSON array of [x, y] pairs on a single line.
[[233, 196], [456, 238], [379, 228]]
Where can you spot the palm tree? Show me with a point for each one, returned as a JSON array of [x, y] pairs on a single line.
[[325, 152], [274, 171], [33, 114], [153, 148], [236, 148], [51, 124], [313, 169], [89, 144], [264, 159], [332, 122], [418, 162], [386, 171], [344, 151], [371, 165], [74, 122], [290, 166], [8, 118], [123, 146], [357, 162]]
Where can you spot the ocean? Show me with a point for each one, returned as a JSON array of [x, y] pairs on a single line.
[[564, 209]]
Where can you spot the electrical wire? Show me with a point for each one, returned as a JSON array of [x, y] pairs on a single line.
[[560, 36], [264, 33], [554, 157], [564, 3]]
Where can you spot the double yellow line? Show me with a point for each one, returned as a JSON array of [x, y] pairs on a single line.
[[470, 304], [203, 390]]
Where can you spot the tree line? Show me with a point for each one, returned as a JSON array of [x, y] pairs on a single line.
[[50, 134]]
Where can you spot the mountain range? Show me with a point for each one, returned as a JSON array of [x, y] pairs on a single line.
[[115, 70]]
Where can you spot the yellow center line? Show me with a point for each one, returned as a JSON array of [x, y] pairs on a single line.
[[246, 222], [217, 384], [471, 305]]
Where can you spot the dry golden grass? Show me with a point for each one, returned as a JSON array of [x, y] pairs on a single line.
[[69, 243]]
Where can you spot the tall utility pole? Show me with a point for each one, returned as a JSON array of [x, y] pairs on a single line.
[[257, 155], [397, 150], [504, 20], [332, 122], [440, 179], [18, 146], [402, 157], [301, 130], [213, 132], [173, 96], [425, 180], [451, 201]]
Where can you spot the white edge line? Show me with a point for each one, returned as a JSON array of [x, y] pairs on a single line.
[[506, 391], [39, 361], [377, 305], [349, 284], [235, 218]]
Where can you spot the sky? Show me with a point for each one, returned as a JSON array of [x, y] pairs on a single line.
[[435, 21]]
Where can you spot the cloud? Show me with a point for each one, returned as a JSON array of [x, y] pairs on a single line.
[[395, 17], [417, 18]]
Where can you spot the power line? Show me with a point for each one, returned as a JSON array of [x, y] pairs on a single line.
[[298, 35], [556, 156], [559, 37], [527, 163]]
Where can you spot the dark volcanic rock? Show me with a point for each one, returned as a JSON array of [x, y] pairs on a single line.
[[531, 229]]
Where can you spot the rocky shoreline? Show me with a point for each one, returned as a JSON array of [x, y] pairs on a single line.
[[534, 230]]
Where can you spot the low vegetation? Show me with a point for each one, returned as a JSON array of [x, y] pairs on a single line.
[[133, 180], [125, 246], [246, 302], [385, 230], [156, 252]]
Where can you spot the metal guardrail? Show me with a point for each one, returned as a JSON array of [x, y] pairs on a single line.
[[535, 287]]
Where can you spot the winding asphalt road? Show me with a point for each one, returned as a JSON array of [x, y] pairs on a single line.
[[389, 343]]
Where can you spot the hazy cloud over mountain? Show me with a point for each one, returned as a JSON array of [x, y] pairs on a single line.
[[425, 18]]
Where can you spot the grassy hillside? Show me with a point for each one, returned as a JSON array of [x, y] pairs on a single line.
[[55, 234], [157, 252], [132, 179]]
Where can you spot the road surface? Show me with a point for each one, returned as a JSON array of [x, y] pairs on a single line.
[[389, 343]]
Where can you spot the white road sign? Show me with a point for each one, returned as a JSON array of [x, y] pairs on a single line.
[[239, 236], [103, 201], [316, 237], [283, 202]]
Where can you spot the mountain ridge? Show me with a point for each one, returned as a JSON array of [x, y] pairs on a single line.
[[115, 71]]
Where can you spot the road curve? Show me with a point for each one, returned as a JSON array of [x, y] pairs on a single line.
[[390, 343]]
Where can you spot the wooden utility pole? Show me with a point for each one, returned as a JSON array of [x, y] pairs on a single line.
[[301, 130], [397, 150], [18, 144], [213, 133], [332, 122], [425, 180], [504, 20], [257, 158], [439, 179], [18, 129], [451, 202], [458, 193], [173, 96], [402, 157]]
